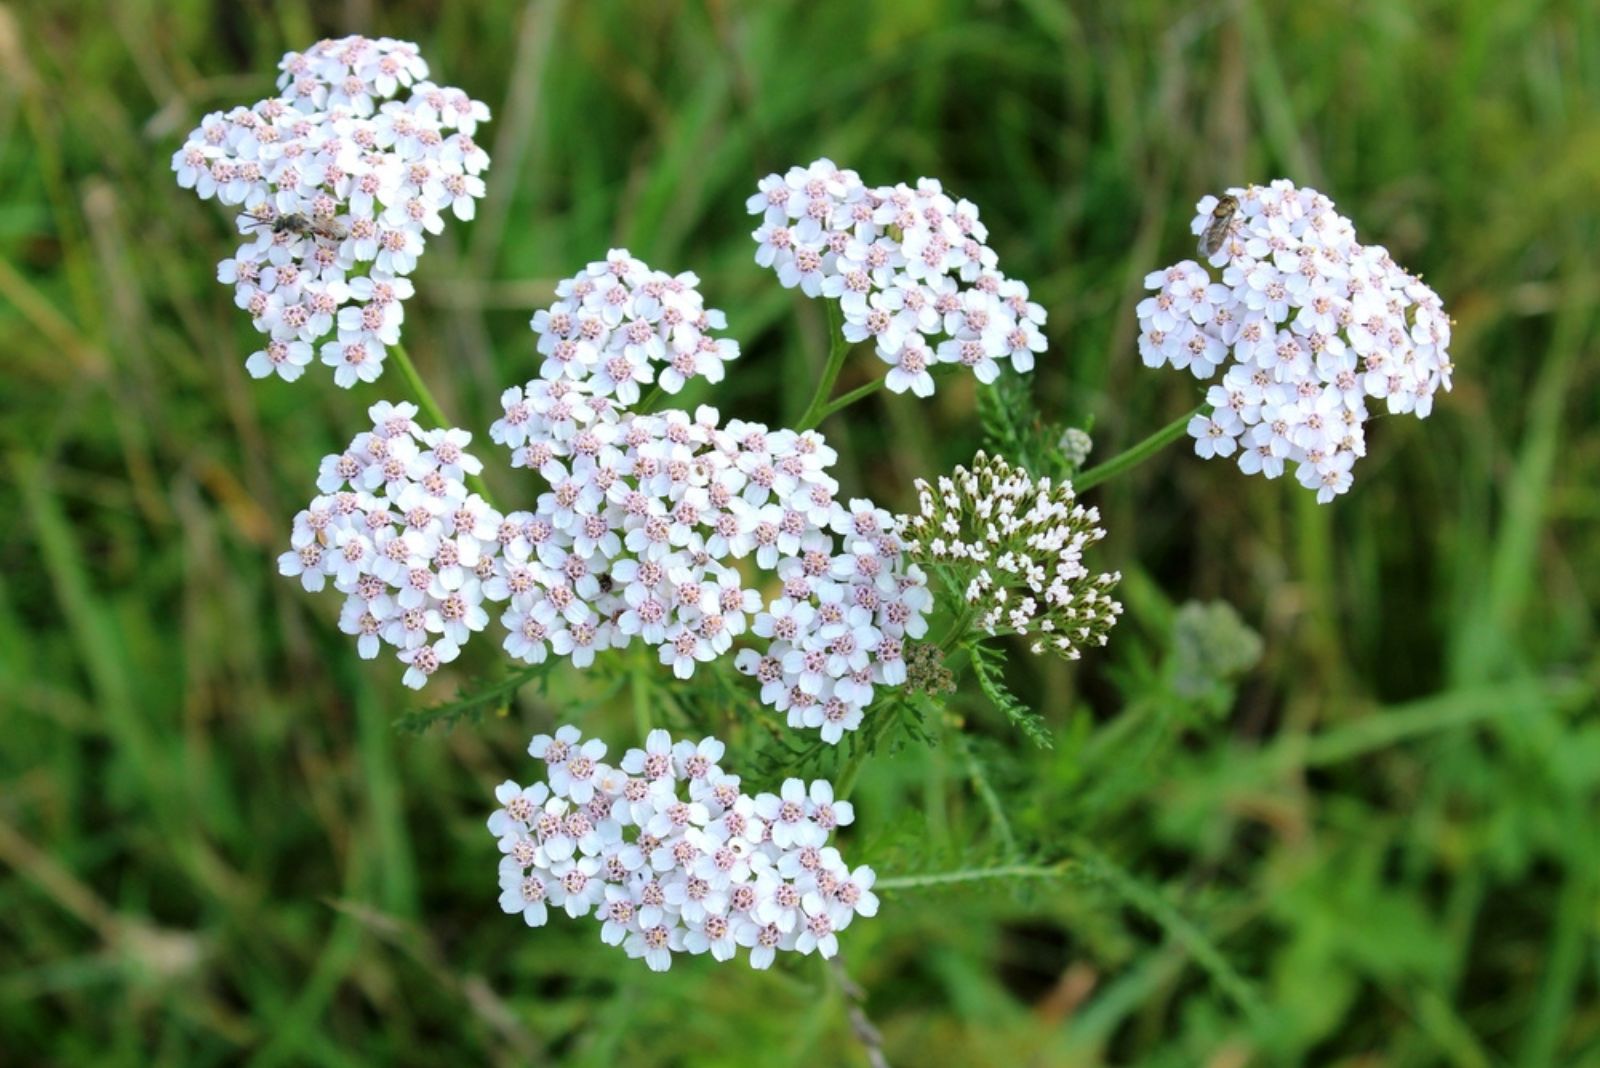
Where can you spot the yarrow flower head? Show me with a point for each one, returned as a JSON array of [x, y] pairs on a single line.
[[397, 532], [669, 855], [340, 181], [908, 266], [1012, 548], [613, 324], [1310, 325], [649, 517]]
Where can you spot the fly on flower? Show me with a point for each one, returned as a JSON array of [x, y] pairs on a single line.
[[1216, 231], [345, 173], [1306, 324], [293, 223]]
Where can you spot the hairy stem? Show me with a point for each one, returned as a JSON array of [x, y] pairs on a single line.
[[1060, 870], [419, 388], [861, 1026], [958, 627], [1152, 902], [879, 722], [1136, 455], [430, 408]]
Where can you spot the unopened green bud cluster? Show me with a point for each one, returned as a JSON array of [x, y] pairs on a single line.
[[926, 671]]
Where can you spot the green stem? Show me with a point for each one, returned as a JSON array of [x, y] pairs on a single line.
[[641, 699], [815, 414], [1093, 867], [419, 389], [650, 400], [1059, 870], [1145, 449], [430, 408], [958, 627], [864, 748], [881, 718], [1153, 903], [496, 696], [838, 349], [861, 392], [844, 400]]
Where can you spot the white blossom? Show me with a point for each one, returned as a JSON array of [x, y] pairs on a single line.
[[665, 873], [338, 181], [647, 516], [1309, 325], [908, 267], [395, 530]]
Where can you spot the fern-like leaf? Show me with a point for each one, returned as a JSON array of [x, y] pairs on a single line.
[[473, 705], [1014, 428], [988, 668]]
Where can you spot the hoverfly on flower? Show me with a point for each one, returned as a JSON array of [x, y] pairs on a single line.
[[1216, 231]]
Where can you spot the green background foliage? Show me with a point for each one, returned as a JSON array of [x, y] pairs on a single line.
[[1378, 846]]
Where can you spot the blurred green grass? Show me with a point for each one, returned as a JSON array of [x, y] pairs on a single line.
[[215, 847]]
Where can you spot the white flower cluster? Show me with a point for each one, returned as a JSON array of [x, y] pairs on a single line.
[[612, 323], [338, 183], [647, 517], [908, 267], [670, 856], [1315, 324], [1015, 548], [396, 530]]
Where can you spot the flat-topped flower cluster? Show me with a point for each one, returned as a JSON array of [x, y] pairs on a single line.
[[1311, 324], [613, 323], [340, 181], [1014, 548], [648, 516], [396, 530], [908, 266], [669, 855]]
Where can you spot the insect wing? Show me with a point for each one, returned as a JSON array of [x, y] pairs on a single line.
[[1216, 231]]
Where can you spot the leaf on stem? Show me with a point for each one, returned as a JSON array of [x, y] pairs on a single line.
[[1014, 428], [988, 668], [473, 705]]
